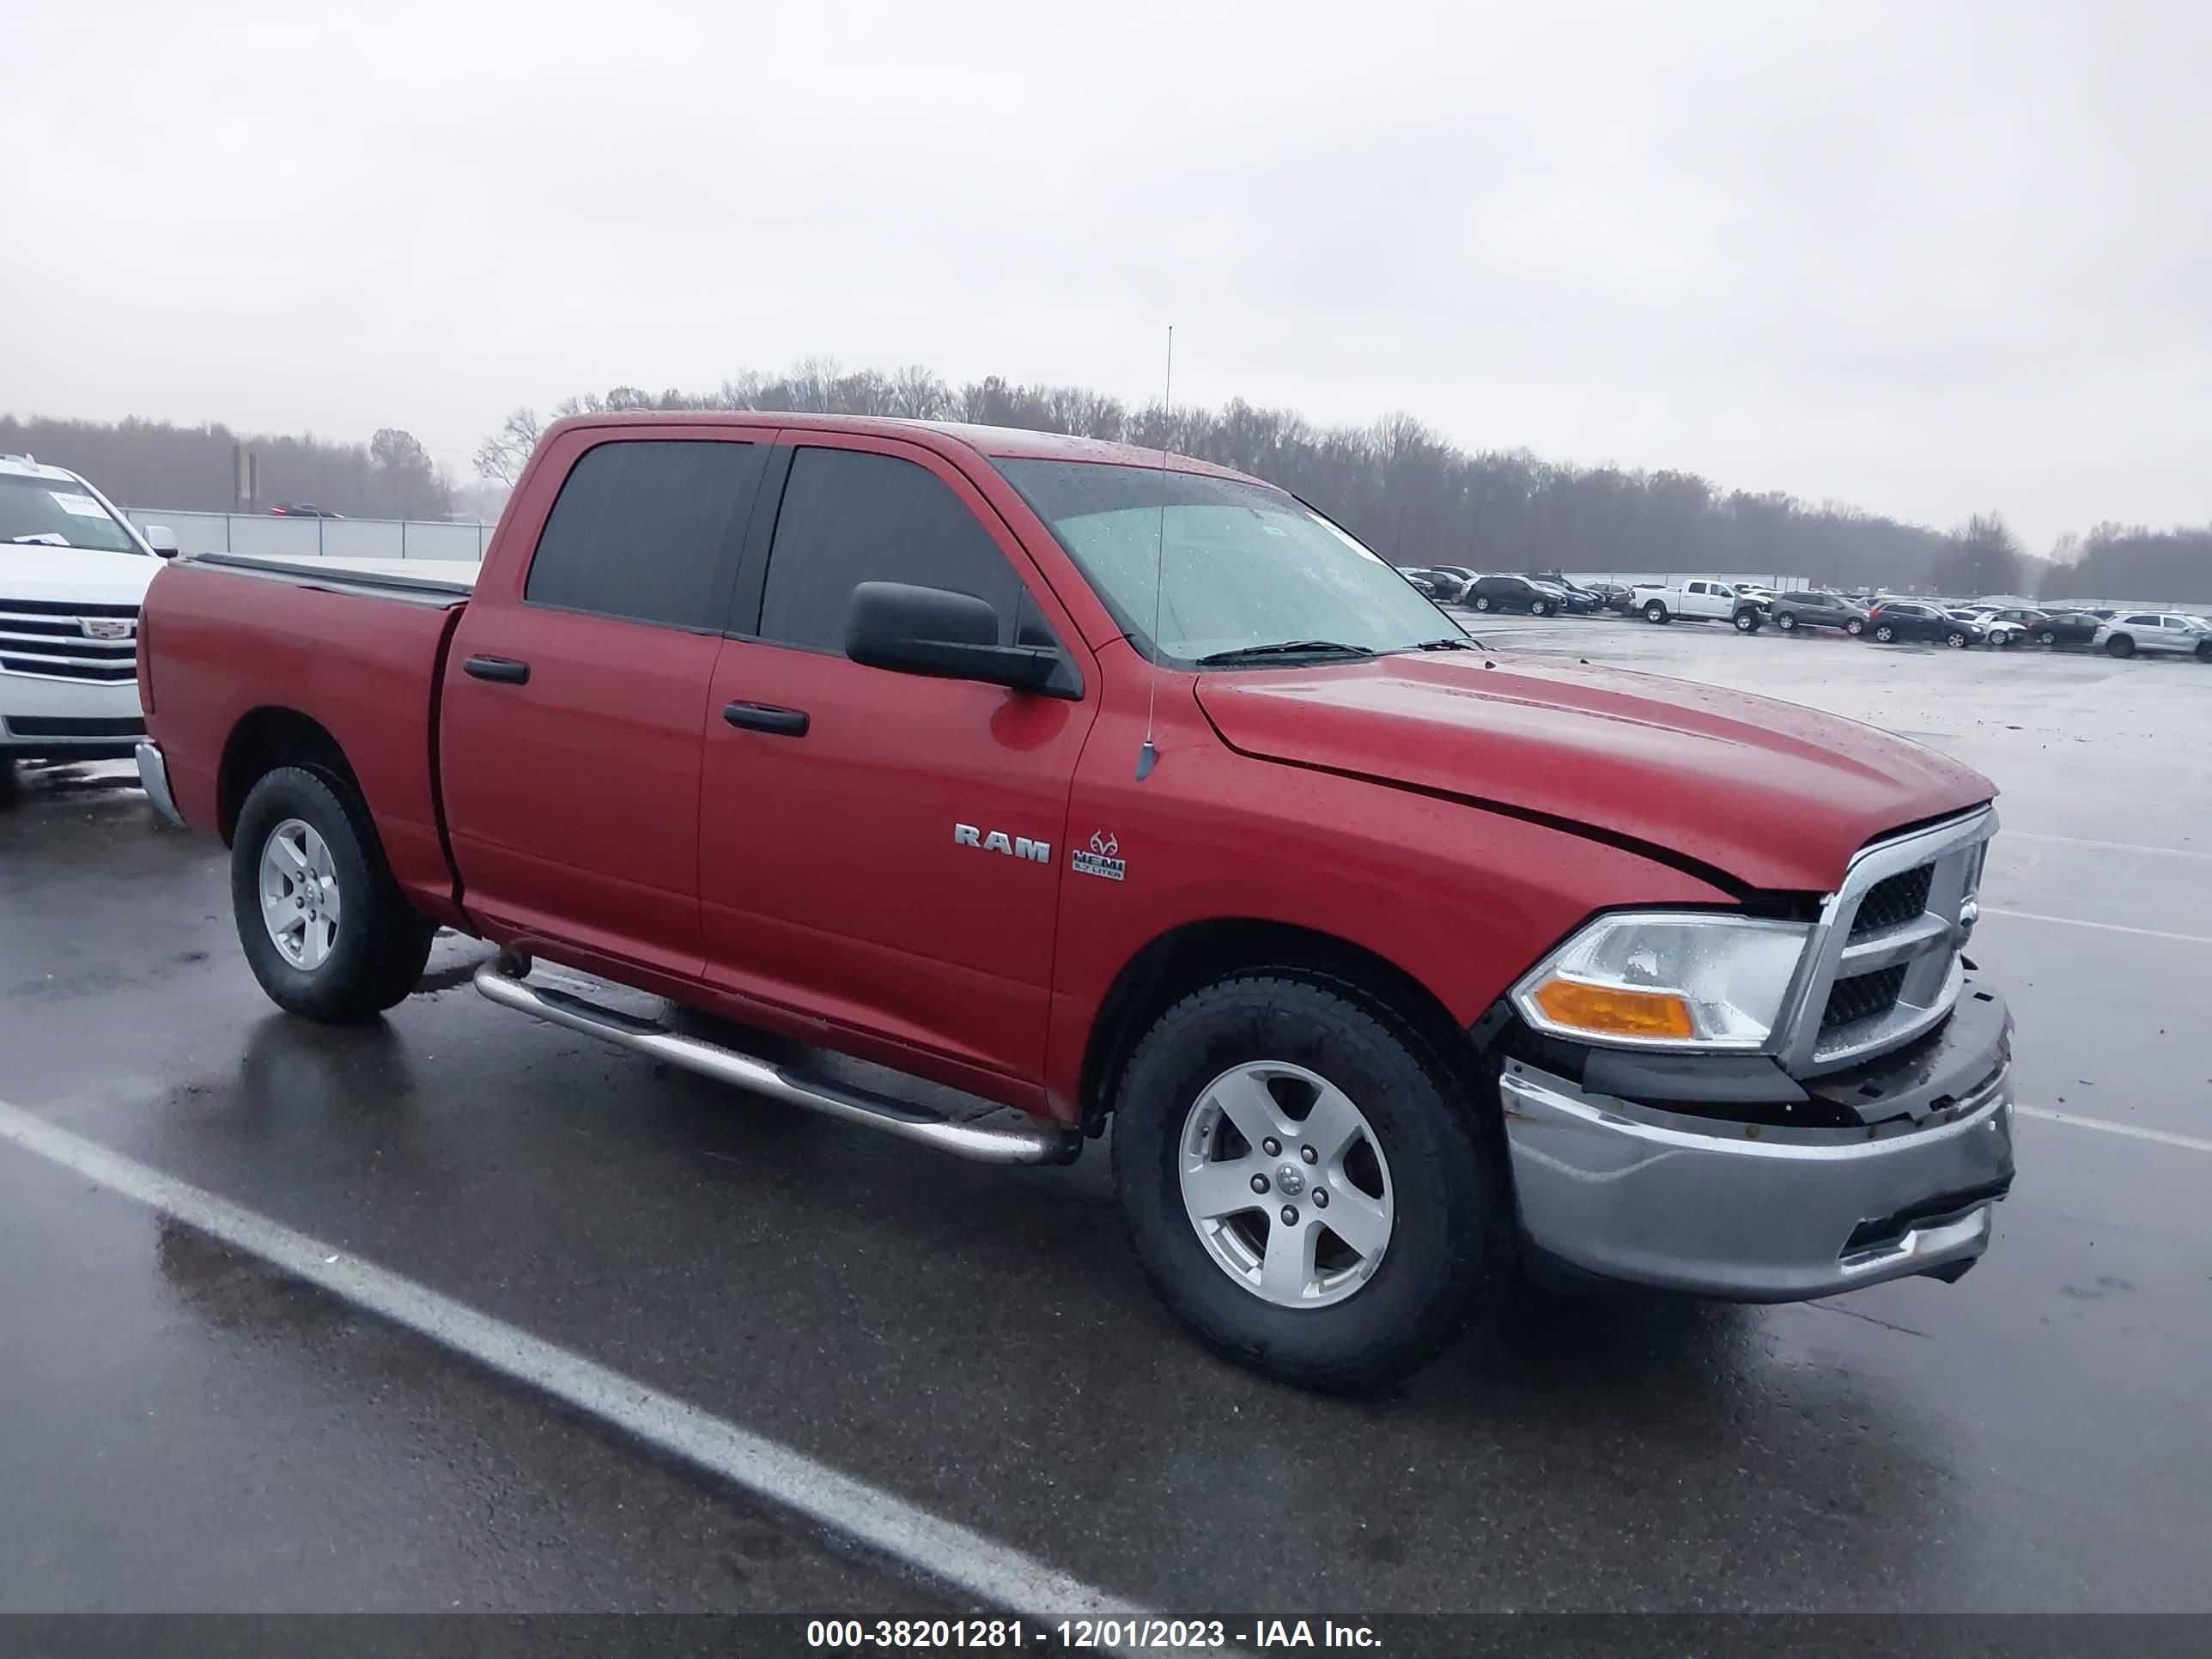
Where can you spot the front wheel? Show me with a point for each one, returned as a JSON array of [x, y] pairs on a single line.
[[1884, 634], [1655, 612], [324, 926], [1746, 622], [1540, 609], [1303, 1183], [2121, 645], [1855, 627], [1955, 640]]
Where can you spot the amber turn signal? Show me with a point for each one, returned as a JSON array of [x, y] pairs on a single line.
[[1614, 1011]]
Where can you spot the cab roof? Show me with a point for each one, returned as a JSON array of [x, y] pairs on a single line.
[[22, 466], [995, 442]]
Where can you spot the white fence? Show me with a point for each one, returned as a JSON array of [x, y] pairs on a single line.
[[272, 537]]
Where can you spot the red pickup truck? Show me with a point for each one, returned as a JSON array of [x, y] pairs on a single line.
[[1111, 788]]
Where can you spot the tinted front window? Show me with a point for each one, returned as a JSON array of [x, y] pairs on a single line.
[[1227, 564], [850, 517], [645, 531]]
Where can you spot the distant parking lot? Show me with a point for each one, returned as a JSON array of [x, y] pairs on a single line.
[[190, 1428]]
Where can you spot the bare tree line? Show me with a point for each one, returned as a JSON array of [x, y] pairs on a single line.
[[154, 464]]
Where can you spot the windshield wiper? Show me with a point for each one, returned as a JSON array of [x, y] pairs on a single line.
[[1283, 649], [41, 538], [1455, 642]]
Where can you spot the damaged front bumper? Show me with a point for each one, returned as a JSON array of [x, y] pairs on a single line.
[[1751, 1205]]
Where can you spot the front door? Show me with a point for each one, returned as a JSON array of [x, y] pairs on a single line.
[[882, 850], [575, 695]]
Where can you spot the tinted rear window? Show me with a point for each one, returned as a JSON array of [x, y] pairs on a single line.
[[647, 531]]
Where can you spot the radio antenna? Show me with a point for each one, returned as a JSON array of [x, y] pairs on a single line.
[[1149, 756]]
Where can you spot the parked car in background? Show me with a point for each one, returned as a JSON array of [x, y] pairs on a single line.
[[1996, 630], [1916, 619], [1438, 581], [1699, 600], [301, 510], [1575, 601], [2066, 628], [1513, 593], [73, 573], [1421, 579], [1462, 577], [1816, 608], [2156, 633], [1613, 596]]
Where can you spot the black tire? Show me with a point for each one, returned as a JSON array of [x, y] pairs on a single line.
[[2046, 637], [1450, 1238], [1786, 623], [1482, 602], [1885, 633], [1955, 640], [1655, 612], [381, 944], [2204, 650], [2121, 645], [1746, 622], [1855, 627], [1540, 609]]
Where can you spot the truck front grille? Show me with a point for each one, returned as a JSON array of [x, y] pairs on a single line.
[[51, 640], [1885, 966], [1893, 902], [1867, 997]]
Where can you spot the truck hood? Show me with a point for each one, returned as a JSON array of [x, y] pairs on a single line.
[[1777, 796], [74, 575]]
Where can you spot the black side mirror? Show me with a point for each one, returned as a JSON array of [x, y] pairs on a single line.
[[947, 636]]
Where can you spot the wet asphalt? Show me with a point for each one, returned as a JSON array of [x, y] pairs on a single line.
[[182, 1427]]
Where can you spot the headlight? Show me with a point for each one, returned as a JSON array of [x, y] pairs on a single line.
[[1670, 979]]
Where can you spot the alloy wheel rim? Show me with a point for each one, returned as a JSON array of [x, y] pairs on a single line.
[[299, 898], [1286, 1184]]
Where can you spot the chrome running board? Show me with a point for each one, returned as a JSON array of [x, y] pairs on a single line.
[[1006, 1136]]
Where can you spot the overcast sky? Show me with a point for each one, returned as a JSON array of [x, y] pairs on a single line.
[[1926, 258]]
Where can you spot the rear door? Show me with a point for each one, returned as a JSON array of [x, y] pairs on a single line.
[[881, 850], [575, 693]]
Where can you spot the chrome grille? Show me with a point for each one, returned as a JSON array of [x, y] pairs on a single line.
[[48, 640], [1883, 967]]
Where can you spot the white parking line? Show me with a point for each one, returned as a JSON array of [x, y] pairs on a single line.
[[888, 1526], [2108, 926], [2111, 846], [2163, 1137]]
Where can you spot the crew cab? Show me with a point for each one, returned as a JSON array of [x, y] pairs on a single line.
[[1699, 600], [1124, 794], [73, 572]]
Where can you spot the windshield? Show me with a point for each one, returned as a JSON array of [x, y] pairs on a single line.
[[1239, 565], [55, 513]]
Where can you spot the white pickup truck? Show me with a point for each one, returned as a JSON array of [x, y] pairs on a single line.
[[73, 573], [1699, 600]]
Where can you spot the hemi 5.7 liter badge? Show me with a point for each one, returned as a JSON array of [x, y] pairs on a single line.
[[1099, 860]]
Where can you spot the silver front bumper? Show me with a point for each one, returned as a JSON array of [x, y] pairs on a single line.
[[1750, 1213], [154, 777]]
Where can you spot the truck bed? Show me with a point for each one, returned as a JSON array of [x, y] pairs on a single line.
[[231, 636]]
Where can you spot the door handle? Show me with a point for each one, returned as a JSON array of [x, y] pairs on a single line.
[[505, 670], [767, 717]]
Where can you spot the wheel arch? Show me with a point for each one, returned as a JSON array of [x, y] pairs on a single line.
[[1198, 953], [265, 738]]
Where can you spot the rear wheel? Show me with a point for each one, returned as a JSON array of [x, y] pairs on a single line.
[[1655, 612], [1855, 627], [1786, 623], [1482, 602], [2046, 637], [2121, 645], [324, 926], [2204, 650], [1304, 1184]]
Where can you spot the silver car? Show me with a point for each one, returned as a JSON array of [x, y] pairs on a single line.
[[2166, 633]]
